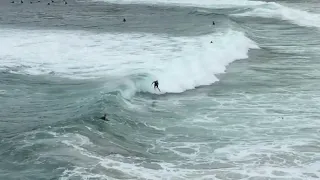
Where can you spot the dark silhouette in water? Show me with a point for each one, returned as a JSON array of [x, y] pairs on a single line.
[[156, 84], [124, 20], [104, 117], [211, 42], [213, 23]]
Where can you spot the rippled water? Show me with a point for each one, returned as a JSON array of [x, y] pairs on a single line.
[[242, 107]]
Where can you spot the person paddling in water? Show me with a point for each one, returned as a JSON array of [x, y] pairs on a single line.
[[104, 117], [156, 84]]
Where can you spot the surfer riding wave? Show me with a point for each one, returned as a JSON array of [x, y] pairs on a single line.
[[156, 84]]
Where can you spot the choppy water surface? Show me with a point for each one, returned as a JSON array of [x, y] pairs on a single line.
[[242, 107]]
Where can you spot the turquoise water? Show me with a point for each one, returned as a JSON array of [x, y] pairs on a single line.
[[242, 107]]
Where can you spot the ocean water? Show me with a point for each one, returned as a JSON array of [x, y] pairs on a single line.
[[245, 106]]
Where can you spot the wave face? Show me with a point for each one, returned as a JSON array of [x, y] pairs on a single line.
[[178, 63], [239, 99]]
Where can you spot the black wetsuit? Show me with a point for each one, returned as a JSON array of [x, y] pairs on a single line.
[[156, 84], [104, 117]]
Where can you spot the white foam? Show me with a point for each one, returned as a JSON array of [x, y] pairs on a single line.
[[275, 10], [2, 92], [243, 158], [179, 63], [201, 61]]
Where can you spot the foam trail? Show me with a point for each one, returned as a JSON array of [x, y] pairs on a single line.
[[274, 10]]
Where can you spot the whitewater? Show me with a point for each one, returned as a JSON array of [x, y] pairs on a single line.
[[178, 63], [239, 99]]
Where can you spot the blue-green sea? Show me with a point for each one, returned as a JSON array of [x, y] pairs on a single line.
[[239, 91]]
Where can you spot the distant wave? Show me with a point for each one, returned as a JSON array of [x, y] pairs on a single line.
[[193, 3], [258, 8], [274, 10]]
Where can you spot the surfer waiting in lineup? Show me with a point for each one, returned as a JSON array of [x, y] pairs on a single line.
[[156, 84], [104, 117]]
